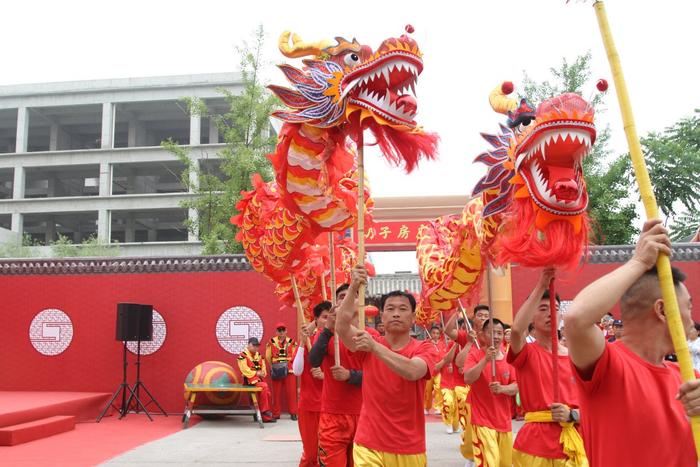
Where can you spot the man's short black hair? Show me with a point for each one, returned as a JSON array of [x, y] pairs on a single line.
[[321, 307], [434, 326], [398, 293], [495, 322], [545, 296], [253, 341], [506, 326], [697, 326], [342, 288], [481, 307], [646, 290]]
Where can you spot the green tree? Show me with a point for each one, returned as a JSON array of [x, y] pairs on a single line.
[[608, 178], [673, 158], [248, 135]]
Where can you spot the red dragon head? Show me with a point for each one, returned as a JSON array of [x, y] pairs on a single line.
[[536, 180], [347, 85]]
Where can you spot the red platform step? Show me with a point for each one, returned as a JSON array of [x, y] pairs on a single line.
[[29, 431]]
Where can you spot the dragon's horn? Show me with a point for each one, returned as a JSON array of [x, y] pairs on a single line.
[[498, 100], [299, 48]]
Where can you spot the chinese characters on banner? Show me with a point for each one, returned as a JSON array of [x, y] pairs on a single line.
[[391, 235]]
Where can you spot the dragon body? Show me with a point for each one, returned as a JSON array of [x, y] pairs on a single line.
[[529, 208], [342, 89]]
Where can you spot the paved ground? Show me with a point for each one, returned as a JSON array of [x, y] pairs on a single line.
[[236, 441]]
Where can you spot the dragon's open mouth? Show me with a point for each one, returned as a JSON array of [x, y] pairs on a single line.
[[549, 160], [386, 86]]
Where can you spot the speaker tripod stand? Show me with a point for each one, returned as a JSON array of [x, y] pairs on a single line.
[[123, 389], [134, 397]]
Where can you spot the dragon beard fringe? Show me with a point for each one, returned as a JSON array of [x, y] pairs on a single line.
[[557, 246]]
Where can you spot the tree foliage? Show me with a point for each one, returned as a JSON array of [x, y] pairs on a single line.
[[673, 158], [608, 178], [246, 130]]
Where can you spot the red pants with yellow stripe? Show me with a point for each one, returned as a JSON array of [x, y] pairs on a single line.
[[263, 397], [336, 433], [288, 387], [308, 429]]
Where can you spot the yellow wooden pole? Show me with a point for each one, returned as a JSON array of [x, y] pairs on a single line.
[[361, 223], [668, 292], [300, 309], [336, 341]]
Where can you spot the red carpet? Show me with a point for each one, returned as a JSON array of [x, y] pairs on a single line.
[[25, 406], [92, 443]]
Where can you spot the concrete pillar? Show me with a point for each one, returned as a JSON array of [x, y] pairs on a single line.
[[59, 140], [195, 130], [137, 134], [193, 235], [105, 179], [18, 222], [107, 125], [213, 131], [18, 185], [194, 176], [53, 137], [130, 229], [501, 293], [152, 235], [22, 129], [50, 234], [103, 226], [51, 185]]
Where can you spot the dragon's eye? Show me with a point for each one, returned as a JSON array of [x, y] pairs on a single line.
[[523, 124], [351, 59]]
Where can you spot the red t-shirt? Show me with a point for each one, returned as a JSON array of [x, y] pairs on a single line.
[[310, 388], [339, 397], [488, 409], [392, 417], [629, 413], [534, 367], [449, 376]]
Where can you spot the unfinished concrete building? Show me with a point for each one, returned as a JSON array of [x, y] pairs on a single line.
[[81, 159]]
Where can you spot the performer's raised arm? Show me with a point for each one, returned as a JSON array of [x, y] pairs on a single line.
[[584, 339], [523, 318]]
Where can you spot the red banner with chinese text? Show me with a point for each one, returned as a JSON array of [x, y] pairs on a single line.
[[391, 235]]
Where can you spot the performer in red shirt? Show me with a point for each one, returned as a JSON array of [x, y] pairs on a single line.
[[628, 392], [279, 354], [391, 428], [549, 436], [310, 389], [448, 377], [433, 394], [489, 396], [342, 395], [252, 367]]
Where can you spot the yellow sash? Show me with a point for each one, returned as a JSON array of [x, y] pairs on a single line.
[[570, 437]]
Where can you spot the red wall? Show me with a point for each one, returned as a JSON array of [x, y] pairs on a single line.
[[190, 304], [569, 284]]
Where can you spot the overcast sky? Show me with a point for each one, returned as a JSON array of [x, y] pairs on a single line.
[[468, 48]]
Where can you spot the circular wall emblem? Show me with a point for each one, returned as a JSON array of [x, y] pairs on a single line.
[[235, 326], [51, 332], [159, 333]]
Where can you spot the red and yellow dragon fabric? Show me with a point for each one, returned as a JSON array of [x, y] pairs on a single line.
[[342, 89], [529, 208]]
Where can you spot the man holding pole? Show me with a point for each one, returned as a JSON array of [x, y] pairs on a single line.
[[341, 399], [433, 395], [549, 436], [391, 428], [310, 388], [489, 397], [612, 377]]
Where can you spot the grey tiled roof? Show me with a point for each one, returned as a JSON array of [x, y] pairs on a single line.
[[378, 285], [124, 265], [621, 253]]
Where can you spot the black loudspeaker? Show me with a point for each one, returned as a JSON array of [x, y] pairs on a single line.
[[134, 322]]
